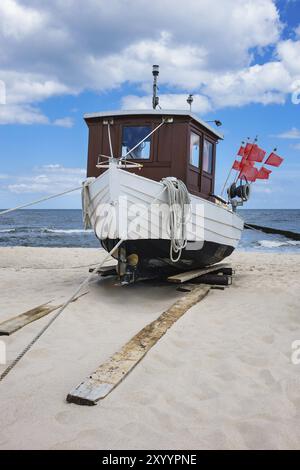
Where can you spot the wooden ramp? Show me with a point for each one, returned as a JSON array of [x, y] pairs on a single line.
[[189, 275], [16, 323], [111, 373]]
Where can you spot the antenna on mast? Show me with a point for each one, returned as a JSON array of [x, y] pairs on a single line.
[[155, 98], [190, 100]]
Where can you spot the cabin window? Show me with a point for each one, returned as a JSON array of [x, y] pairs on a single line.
[[195, 149], [131, 136], [207, 156]]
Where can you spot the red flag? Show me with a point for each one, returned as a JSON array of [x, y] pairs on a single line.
[[263, 174], [248, 149], [241, 151], [236, 165], [245, 161], [274, 160], [256, 154], [261, 154], [249, 172]]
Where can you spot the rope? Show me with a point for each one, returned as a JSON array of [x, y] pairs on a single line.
[[179, 202], [109, 140], [80, 187], [84, 283], [42, 331], [141, 141], [85, 198], [40, 200], [224, 185]]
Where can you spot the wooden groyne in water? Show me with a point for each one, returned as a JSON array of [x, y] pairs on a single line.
[[285, 233]]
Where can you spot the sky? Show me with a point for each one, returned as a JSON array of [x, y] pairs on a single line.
[[60, 59]]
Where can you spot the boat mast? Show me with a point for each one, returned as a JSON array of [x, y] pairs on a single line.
[[155, 98]]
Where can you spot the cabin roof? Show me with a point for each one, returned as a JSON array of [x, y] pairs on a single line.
[[160, 112]]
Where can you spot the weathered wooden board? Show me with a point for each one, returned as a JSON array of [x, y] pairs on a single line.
[[16, 323], [109, 374], [105, 269], [213, 279], [189, 275]]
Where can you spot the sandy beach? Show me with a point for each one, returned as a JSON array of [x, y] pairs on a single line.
[[221, 377]]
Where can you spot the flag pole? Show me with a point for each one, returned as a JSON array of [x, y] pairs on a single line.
[[228, 176], [239, 173]]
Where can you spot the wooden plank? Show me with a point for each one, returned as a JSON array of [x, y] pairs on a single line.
[[185, 287], [105, 269], [16, 323], [188, 287], [189, 275], [213, 279], [109, 374]]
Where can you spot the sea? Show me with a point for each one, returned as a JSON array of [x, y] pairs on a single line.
[[64, 228]]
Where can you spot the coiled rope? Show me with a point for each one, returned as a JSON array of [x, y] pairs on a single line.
[[179, 203]]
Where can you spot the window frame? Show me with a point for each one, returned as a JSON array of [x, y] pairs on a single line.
[[209, 173], [194, 167], [138, 124]]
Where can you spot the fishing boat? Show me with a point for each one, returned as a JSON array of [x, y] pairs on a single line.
[[150, 191]]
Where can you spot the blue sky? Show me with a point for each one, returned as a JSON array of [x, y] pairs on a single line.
[[58, 62]]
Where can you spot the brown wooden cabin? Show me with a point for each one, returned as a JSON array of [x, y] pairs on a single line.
[[184, 148]]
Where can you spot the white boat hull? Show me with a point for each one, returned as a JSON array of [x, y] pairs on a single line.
[[118, 199]]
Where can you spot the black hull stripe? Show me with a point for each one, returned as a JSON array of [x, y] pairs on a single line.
[[157, 252]]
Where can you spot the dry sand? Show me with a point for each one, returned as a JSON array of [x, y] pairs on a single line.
[[221, 378]]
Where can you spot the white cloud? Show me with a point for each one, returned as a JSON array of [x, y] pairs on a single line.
[[60, 169], [64, 122], [53, 48], [17, 21], [264, 84], [78, 36], [2, 92], [293, 133], [296, 146], [27, 87], [47, 179], [21, 114], [27, 114], [201, 104], [288, 53], [22, 89]]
